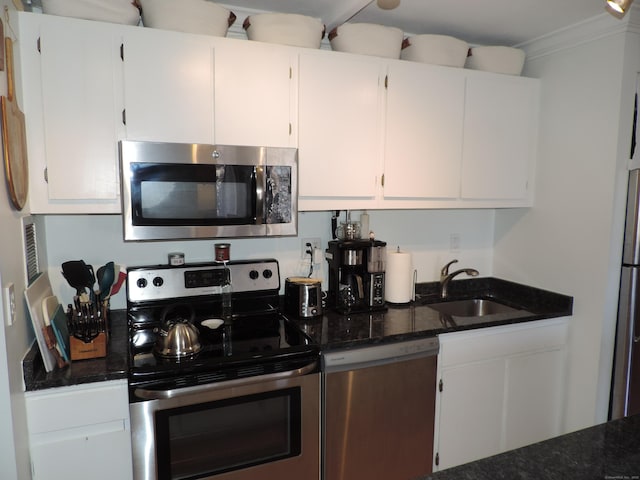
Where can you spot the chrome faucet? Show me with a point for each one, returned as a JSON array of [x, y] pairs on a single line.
[[446, 277]]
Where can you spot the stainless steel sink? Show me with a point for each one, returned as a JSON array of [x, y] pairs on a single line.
[[474, 307]]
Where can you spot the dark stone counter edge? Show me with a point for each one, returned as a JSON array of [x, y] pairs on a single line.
[[542, 304], [535, 300], [539, 304], [112, 367], [609, 450]]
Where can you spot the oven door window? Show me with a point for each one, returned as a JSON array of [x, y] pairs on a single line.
[[193, 194], [204, 439]]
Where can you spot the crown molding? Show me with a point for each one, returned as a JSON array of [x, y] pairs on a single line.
[[590, 30]]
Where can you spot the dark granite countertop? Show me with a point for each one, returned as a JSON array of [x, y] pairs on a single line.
[[112, 367], [416, 319], [334, 330], [610, 451]]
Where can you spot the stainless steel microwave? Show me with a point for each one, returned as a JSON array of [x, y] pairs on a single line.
[[174, 191]]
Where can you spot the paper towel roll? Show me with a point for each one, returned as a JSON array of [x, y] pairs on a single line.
[[398, 284]]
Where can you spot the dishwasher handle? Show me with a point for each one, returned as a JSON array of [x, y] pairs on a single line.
[[380, 354]]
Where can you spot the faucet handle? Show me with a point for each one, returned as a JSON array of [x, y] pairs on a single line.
[[445, 270]]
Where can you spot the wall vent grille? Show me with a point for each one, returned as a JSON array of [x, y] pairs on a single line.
[[31, 252]]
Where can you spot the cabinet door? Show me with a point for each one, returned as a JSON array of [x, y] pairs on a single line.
[[470, 417], [423, 148], [168, 81], [79, 70], [534, 397], [81, 431], [502, 388], [340, 127], [104, 456], [254, 98], [500, 130]]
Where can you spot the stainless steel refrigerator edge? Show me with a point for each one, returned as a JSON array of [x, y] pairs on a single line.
[[625, 390]]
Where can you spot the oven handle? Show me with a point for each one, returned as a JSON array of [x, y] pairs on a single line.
[[145, 394]]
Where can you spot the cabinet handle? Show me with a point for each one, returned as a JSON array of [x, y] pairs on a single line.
[[122, 52], [440, 386], [46, 175], [386, 81], [382, 180], [290, 129], [124, 116], [38, 45], [437, 459]]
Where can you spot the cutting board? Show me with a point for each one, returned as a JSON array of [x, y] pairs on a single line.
[[34, 295], [53, 315], [61, 331], [14, 138]]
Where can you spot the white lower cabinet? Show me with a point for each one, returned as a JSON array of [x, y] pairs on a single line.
[[499, 388], [80, 432]]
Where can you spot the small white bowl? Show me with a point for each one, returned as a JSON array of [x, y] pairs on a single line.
[[435, 49], [285, 28], [187, 16], [112, 11], [212, 323], [497, 59], [367, 39]]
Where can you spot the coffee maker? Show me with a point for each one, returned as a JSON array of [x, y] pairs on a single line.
[[356, 275]]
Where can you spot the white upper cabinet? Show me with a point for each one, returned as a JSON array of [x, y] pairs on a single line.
[[423, 147], [371, 132], [70, 72], [255, 98], [500, 134], [340, 132], [168, 86]]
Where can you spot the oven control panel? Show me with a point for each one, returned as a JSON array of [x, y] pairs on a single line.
[[162, 282]]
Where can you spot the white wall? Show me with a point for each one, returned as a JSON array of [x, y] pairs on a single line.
[[98, 238], [571, 240], [16, 339]]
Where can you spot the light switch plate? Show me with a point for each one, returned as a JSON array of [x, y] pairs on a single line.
[[9, 300]]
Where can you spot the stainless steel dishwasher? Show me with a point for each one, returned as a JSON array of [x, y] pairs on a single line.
[[378, 410]]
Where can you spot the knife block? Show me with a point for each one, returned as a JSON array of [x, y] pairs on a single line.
[[96, 348]]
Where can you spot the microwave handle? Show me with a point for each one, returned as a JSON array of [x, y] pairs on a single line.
[[261, 186], [146, 394]]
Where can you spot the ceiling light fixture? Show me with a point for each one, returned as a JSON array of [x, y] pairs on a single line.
[[618, 7], [389, 4]]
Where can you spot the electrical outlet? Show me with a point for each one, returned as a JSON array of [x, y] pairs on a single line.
[[9, 299], [454, 243], [308, 246]]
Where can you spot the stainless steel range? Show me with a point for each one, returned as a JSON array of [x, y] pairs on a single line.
[[210, 398]]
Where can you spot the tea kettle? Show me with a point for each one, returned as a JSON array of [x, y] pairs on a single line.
[[177, 336]]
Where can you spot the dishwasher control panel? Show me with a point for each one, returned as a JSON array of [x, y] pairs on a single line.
[[379, 354]]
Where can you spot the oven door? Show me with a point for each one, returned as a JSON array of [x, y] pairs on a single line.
[[258, 427]]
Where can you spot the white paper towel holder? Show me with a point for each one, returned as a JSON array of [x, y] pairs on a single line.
[[403, 278]]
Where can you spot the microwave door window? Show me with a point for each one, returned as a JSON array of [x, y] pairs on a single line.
[[171, 194], [233, 187], [178, 200]]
